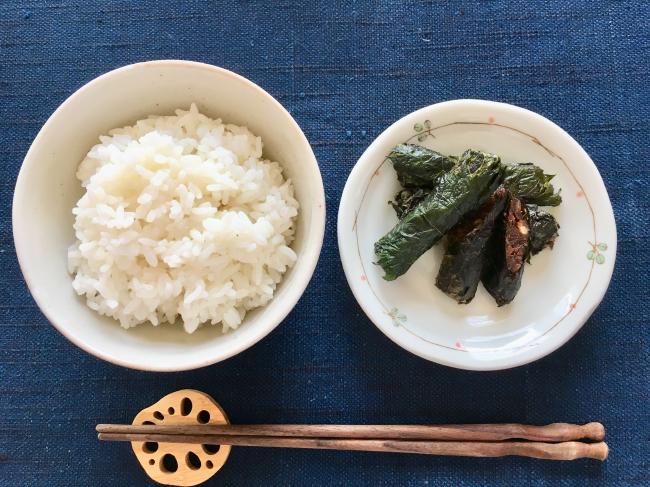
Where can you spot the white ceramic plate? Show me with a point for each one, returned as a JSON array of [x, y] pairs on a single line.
[[560, 289]]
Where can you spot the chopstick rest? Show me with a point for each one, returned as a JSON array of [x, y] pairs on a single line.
[[174, 463], [185, 438]]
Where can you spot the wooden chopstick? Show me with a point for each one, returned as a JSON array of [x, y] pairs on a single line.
[[555, 432], [570, 450]]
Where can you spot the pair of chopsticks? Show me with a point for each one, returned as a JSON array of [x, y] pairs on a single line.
[[557, 441]]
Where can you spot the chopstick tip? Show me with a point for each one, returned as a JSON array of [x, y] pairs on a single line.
[[596, 431], [605, 452]]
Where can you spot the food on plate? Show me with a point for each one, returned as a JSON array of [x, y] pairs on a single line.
[[418, 166], [408, 198], [543, 229], [462, 189], [462, 264], [182, 219], [490, 232], [528, 182], [506, 253]]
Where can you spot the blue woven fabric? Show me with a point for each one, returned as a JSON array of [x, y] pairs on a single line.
[[345, 70]]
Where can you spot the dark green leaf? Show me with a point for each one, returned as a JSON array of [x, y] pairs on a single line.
[[418, 166], [528, 182], [506, 253], [543, 229], [407, 199], [464, 188], [460, 270]]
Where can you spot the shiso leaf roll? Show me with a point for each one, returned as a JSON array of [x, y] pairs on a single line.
[[407, 199], [460, 270], [462, 189], [506, 252], [543, 229], [419, 167], [529, 183]]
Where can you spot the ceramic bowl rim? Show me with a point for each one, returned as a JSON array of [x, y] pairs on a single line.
[[299, 281]]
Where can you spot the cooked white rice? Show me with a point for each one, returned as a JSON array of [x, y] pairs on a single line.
[[181, 218]]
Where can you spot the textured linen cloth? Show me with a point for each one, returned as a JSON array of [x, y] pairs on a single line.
[[345, 70]]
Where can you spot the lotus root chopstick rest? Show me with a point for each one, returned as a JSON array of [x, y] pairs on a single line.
[[179, 463]]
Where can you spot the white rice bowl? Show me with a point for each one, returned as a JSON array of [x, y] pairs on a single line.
[[182, 220]]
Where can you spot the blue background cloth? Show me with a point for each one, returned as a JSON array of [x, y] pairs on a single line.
[[345, 70]]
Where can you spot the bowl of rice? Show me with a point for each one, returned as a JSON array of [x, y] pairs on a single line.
[[168, 215]]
